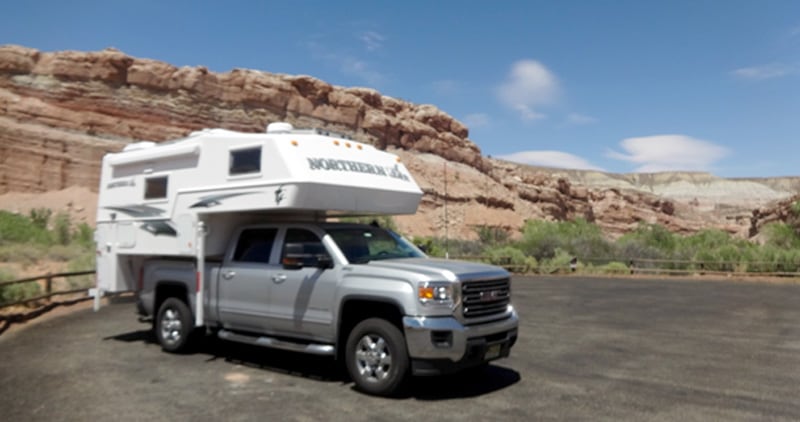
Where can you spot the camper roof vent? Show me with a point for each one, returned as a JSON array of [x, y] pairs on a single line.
[[280, 127], [139, 145]]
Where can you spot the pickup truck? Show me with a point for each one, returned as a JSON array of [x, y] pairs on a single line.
[[359, 293]]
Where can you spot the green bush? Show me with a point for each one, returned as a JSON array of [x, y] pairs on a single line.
[[542, 239], [781, 235], [615, 267], [82, 262], [40, 217], [62, 229], [15, 292], [492, 235], [557, 264], [22, 253], [84, 235], [15, 228], [508, 255]]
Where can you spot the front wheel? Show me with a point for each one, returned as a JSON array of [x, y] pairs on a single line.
[[173, 325], [376, 356]]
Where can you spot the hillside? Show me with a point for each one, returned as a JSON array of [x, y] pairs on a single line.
[[61, 111]]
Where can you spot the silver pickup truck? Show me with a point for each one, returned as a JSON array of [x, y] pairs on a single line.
[[359, 293]]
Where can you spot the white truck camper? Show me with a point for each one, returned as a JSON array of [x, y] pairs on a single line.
[[229, 231], [185, 197]]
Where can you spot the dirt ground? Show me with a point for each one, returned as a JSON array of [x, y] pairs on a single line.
[[79, 202]]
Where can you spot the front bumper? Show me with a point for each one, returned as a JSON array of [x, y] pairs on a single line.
[[442, 344]]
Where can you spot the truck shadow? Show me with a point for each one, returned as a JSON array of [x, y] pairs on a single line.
[[468, 384]]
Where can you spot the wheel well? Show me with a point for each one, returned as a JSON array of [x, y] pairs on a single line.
[[168, 289], [356, 310]]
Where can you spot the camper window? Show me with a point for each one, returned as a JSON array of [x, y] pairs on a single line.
[[243, 161], [155, 187]]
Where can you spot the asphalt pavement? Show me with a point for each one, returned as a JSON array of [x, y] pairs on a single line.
[[589, 349]]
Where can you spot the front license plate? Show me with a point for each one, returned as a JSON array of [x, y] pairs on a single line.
[[493, 352]]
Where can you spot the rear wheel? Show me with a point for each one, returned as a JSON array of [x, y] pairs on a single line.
[[173, 325], [376, 357]]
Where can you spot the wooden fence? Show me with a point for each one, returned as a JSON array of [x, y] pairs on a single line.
[[48, 287], [633, 266]]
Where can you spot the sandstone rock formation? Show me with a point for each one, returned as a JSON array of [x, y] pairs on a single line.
[[61, 111]]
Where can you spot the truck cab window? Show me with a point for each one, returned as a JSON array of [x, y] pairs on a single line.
[[311, 243], [255, 245]]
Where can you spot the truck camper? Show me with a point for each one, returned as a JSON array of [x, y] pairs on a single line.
[[231, 234]]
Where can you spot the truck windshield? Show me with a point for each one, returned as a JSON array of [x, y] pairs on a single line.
[[363, 244]]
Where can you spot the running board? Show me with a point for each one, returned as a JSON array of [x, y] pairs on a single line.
[[310, 348]]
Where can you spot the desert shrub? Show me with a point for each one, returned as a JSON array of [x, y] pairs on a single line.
[[40, 217], [651, 237], [84, 235], [542, 239], [62, 227], [21, 291], [509, 255], [430, 245], [781, 235], [82, 262], [15, 292], [6, 275], [558, 263], [22, 253], [491, 235], [615, 267], [16, 228], [63, 253]]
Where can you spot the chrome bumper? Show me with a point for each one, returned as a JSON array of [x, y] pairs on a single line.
[[422, 331]]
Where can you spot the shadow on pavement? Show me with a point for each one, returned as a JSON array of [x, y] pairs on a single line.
[[7, 320], [470, 383], [320, 368]]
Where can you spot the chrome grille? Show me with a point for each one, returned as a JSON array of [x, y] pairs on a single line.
[[486, 297]]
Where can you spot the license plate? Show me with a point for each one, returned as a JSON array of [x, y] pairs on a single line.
[[493, 352]]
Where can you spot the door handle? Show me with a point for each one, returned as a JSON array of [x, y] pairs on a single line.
[[279, 278], [227, 275]]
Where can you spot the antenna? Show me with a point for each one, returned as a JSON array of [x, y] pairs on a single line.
[[446, 234]]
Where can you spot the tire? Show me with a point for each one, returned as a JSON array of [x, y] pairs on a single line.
[[174, 326], [376, 357]]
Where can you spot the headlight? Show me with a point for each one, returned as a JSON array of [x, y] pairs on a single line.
[[437, 292]]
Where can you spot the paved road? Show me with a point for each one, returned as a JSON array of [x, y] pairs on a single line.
[[589, 349]]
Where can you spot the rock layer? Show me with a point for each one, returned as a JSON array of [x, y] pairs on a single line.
[[61, 111]]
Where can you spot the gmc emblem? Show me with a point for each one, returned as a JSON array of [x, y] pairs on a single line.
[[491, 295]]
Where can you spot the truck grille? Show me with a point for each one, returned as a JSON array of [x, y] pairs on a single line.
[[486, 297]]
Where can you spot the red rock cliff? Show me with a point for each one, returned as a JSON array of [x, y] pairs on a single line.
[[60, 112]]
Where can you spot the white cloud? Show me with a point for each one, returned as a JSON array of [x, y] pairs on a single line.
[[580, 119], [476, 120], [767, 71], [529, 86], [556, 159], [669, 153], [372, 40]]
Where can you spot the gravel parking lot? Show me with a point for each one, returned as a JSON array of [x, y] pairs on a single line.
[[589, 348]]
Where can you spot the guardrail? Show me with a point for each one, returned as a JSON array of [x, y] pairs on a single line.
[[48, 287], [652, 266]]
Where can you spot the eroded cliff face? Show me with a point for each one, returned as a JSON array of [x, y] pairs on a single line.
[[61, 111]]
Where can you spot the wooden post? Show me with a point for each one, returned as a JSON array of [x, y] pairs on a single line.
[[48, 284]]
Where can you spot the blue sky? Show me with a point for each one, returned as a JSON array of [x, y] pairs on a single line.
[[616, 85]]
